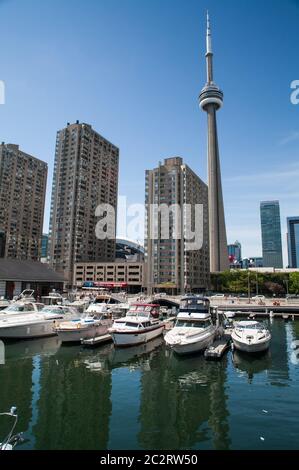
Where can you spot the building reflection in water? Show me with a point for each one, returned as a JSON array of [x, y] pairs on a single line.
[[15, 390], [183, 402], [74, 405]]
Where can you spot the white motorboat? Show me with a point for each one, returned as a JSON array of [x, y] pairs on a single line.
[[21, 307], [89, 325], [229, 314], [194, 330], [251, 336], [102, 304], [140, 325], [119, 310], [54, 298], [27, 294], [34, 325]]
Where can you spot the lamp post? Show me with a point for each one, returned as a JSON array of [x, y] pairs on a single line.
[[286, 282], [249, 295]]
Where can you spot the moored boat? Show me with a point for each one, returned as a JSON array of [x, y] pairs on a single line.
[[34, 325], [140, 325], [23, 306], [251, 336], [194, 330], [102, 304], [89, 325]]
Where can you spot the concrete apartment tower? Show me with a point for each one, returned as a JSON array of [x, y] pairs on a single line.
[[210, 100], [23, 180], [170, 265], [85, 175]]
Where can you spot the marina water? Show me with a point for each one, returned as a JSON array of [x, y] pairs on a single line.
[[145, 397]]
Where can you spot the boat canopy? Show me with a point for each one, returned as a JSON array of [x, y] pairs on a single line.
[[197, 304], [193, 316]]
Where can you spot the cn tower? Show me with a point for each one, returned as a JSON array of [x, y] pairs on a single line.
[[210, 100]]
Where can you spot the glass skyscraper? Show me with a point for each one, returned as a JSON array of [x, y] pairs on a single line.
[[235, 251], [271, 234], [293, 241]]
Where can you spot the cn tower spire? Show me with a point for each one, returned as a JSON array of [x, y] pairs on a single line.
[[209, 53], [209, 35], [210, 100]]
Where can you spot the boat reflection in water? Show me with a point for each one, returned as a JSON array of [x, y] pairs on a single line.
[[134, 357], [252, 364], [30, 348]]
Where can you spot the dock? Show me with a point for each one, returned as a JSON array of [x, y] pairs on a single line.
[[96, 341], [270, 311], [218, 348]]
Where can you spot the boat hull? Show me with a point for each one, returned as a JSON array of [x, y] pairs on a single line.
[[123, 339], [34, 330], [75, 335], [251, 347], [194, 347]]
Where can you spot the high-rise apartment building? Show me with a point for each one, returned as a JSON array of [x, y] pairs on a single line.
[[271, 234], [85, 176], [23, 181], [293, 241], [170, 264], [2, 244]]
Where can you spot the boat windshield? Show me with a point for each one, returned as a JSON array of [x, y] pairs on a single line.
[[251, 326], [101, 301], [132, 324], [193, 324], [143, 311], [19, 308], [193, 304], [54, 310]]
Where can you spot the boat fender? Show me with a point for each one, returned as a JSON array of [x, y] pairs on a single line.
[[78, 325]]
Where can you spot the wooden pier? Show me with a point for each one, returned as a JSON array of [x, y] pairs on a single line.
[[218, 348], [96, 341]]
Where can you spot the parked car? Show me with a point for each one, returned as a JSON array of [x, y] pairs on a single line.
[[218, 296], [258, 297]]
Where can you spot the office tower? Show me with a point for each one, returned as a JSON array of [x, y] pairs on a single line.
[[210, 100], [271, 234], [85, 176], [170, 264], [293, 241], [23, 181], [235, 251]]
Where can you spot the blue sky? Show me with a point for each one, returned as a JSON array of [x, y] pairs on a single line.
[[134, 68]]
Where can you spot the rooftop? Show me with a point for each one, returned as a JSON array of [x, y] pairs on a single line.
[[16, 270]]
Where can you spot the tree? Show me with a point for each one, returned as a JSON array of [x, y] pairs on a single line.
[[275, 288], [294, 283]]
